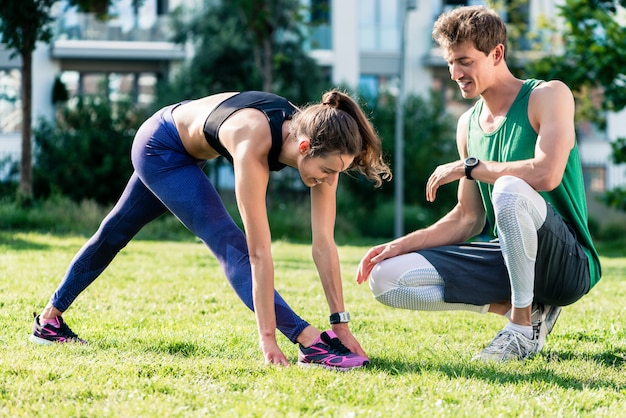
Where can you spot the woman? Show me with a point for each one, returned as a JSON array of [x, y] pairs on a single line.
[[257, 132]]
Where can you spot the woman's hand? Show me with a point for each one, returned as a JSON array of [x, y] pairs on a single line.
[[346, 337], [273, 354]]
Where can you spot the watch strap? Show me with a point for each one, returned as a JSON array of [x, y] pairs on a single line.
[[339, 318]]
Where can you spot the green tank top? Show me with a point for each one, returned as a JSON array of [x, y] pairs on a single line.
[[515, 140]]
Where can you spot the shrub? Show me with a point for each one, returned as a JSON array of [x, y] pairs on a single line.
[[86, 155]]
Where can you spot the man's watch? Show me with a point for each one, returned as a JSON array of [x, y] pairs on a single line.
[[339, 318], [470, 163]]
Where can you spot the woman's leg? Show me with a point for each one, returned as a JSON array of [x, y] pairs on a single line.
[[136, 207]]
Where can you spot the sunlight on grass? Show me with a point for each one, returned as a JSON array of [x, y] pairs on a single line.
[[169, 337]]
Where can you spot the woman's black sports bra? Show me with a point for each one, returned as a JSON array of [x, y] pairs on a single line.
[[277, 109]]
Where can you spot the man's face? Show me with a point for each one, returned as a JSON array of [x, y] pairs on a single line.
[[471, 69]]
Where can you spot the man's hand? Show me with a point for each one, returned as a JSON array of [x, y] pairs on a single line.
[[443, 174], [374, 256]]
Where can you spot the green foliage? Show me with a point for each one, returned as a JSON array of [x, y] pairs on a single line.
[[594, 51], [24, 22], [60, 215], [222, 62], [86, 155], [619, 150], [59, 92], [616, 197], [429, 140], [168, 337], [227, 55], [593, 59]]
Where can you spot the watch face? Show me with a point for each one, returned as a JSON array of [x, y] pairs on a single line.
[[471, 161]]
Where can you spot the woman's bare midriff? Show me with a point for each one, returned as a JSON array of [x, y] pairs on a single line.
[[189, 119]]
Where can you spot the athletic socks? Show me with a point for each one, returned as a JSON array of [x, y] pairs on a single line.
[[525, 330]]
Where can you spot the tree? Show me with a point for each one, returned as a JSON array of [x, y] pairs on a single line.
[[236, 49], [22, 24], [264, 20], [593, 60], [429, 140]]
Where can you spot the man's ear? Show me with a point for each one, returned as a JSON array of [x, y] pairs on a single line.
[[498, 53]]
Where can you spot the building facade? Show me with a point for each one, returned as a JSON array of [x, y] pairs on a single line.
[[360, 42]]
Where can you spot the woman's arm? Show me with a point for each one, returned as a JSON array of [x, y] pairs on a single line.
[[326, 257], [249, 153]]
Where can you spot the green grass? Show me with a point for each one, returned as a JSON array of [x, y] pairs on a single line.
[[169, 338]]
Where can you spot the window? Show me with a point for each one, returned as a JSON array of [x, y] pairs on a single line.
[[321, 36], [10, 100], [595, 178], [379, 25], [138, 87], [371, 85]]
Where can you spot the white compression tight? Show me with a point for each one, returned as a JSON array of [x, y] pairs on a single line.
[[520, 211], [409, 281]]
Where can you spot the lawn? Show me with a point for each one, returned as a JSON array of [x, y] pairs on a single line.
[[169, 338]]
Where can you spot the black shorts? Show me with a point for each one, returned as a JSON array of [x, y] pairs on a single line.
[[475, 273]]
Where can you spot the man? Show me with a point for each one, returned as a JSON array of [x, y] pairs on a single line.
[[519, 173]]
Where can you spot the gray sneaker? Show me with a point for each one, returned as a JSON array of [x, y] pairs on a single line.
[[543, 317], [508, 345]]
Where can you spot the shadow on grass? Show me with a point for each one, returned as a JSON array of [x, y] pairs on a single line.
[[502, 373], [7, 238], [614, 358]]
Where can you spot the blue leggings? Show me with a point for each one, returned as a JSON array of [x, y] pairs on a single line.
[[166, 178]]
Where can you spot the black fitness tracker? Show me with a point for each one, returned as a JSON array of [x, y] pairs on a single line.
[[470, 163], [340, 318]]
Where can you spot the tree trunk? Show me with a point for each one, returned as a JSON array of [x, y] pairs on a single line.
[[26, 169]]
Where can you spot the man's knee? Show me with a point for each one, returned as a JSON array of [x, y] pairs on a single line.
[[509, 184], [382, 278]]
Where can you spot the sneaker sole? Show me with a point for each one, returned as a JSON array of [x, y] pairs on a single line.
[[327, 367], [40, 341], [549, 322], [552, 317]]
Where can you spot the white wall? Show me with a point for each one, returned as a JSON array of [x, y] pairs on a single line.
[[418, 79], [345, 42], [44, 71]]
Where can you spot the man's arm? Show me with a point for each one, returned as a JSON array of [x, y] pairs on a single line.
[[464, 221]]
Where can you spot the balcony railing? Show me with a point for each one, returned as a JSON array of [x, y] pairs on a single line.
[[85, 26]]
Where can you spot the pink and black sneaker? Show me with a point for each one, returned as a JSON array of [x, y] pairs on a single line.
[[327, 351], [53, 332]]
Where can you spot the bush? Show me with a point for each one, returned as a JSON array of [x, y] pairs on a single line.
[[55, 215], [613, 231], [380, 223], [61, 215], [86, 154]]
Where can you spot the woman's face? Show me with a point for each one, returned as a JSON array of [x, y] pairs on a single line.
[[318, 170]]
